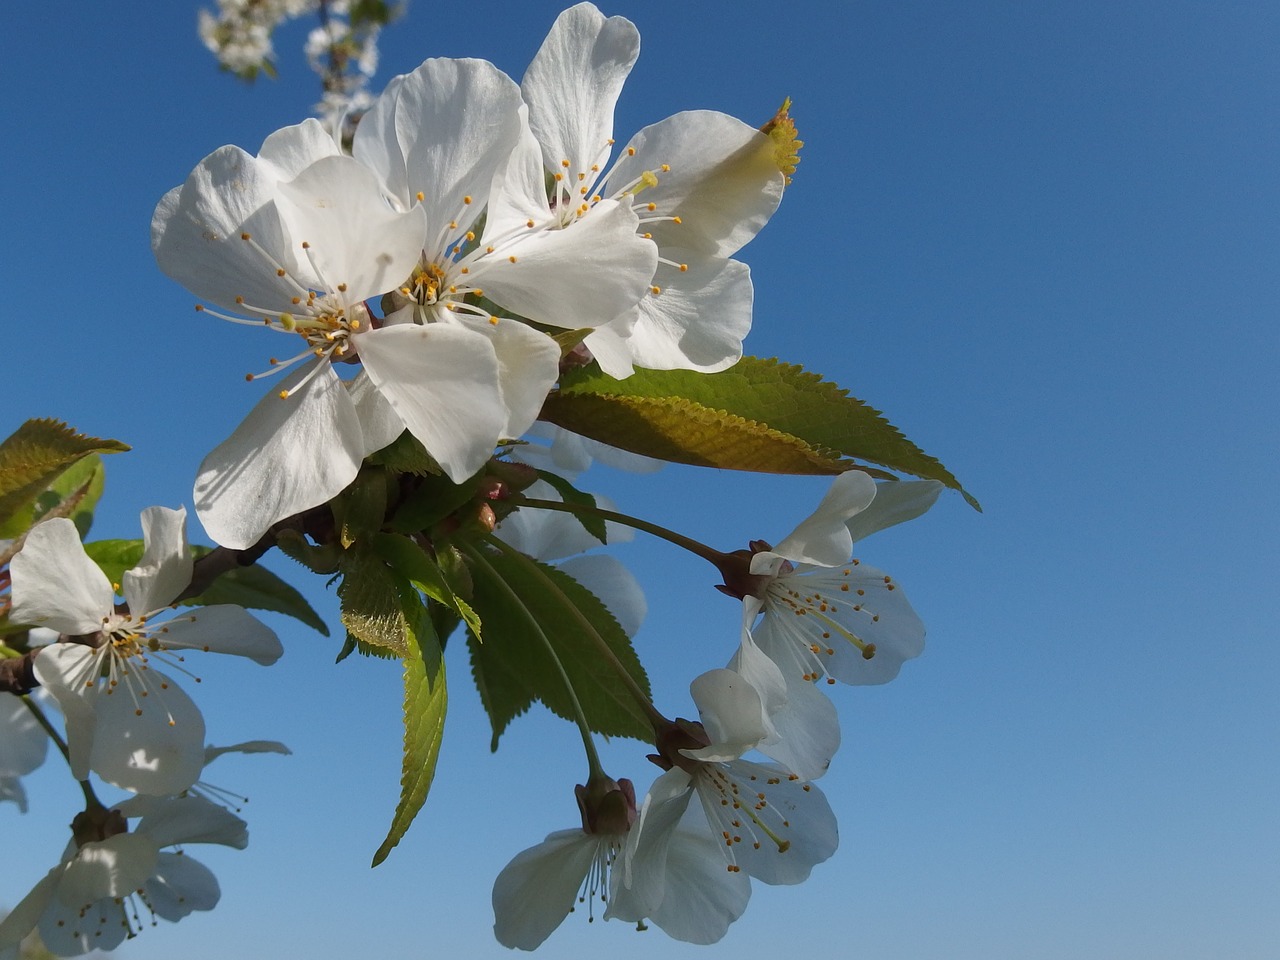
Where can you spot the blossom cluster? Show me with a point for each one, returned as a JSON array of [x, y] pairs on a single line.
[[470, 265]]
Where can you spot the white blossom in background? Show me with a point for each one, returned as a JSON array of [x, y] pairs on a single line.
[[105, 890], [767, 821], [824, 613], [126, 720], [701, 183], [23, 746]]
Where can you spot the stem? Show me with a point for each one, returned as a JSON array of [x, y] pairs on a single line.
[[90, 797], [593, 759], [606, 651], [710, 554]]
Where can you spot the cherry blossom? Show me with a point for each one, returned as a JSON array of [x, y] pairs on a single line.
[[127, 721]]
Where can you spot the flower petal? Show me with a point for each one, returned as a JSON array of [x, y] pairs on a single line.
[[220, 628], [822, 538], [165, 568], [146, 741], [723, 183], [22, 919], [63, 670], [443, 382], [55, 584], [732, 713], [379, 423], [574, 82], [614, 586], [192, 819], [700, 317], [181, 885], [702, 895], [536, 890], [287, 456], [896, 502]]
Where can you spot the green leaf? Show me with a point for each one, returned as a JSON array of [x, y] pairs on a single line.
[[258, 588], [412, 562], [426, 701], [35, 455], [361, 509], [73, 494], [406, 454], [570, 494], [318, 558], [114, 557], [785, 397], [684, 431], [433, 500], [512, 668], [370, 595]]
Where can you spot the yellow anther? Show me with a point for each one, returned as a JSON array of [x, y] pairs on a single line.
[[470, 236], [245, 236], [684, 268], [647, 236], [583, 190], [248, 378], [559, 177], [405, 291], [512, 259], [528, 223], [453, 224], [421, 196], [305, 245], [676, 220], [493, 321], [582, 176], [280, 272], [565, 164], [655, 290], [467, 200], [651, 207], [466, 270], [665, 168], [611, 141], [283, 394], [199, 308], [631, 151]]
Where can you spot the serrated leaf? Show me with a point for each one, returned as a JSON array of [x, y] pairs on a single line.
[[370, 595], [36, 454], [684, 431], [513, 668], [114, 557], [412, 562], [570, 494], [785, 397], [433, 500], [258, 588], [361, 509], [426, 701], [318, 558], [73, 494], [406, 454]]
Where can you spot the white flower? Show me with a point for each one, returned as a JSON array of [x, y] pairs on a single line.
[[23, 745], [769, 822], [96, 897], [702, 184], [825, 613], [126, 720]]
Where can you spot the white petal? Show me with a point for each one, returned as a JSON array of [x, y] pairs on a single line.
[[442, 380], [614, 585], [782, 834], [70, 931], [822, 538], [114, 867], [55, 584], [574, 81], [221, 628], [356, 240], [896, 502], [23, 742], [249, 746], [165, 568], [645, 858], [22, 919], [12, 790], [152, 744], [63, 670], [192, 819], [379, 423], [805, 721], [699, 319], [181, 885], [291, 150], [536, 890], [581, 276], [455, 122], [609, 344], [519, 192], [724, 183], [528, 367], [732, 713], [702, 895], [287, 456]]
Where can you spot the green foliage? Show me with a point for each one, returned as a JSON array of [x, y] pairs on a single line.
[[512, 668], [406, 454], [73, 494], [758, 415], [34, 457], [370, 595], [434, 499], [572, 495], [413, 564], [426, 701]]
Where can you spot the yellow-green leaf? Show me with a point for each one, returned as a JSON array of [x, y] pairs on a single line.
[[36, 454]]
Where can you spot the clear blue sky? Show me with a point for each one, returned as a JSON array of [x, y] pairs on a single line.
[[1042, 237]]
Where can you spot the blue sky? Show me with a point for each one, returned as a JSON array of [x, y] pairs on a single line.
[[1041, 237]]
